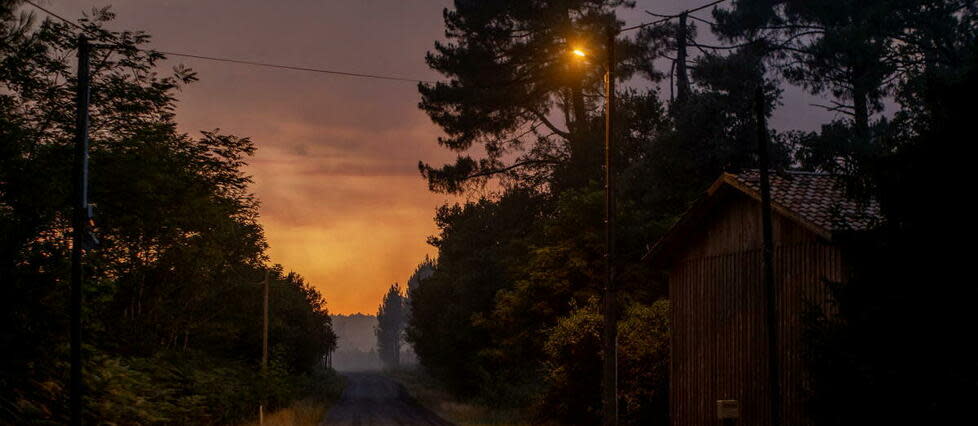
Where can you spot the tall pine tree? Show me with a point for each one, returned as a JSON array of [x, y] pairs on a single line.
[[390, 327]]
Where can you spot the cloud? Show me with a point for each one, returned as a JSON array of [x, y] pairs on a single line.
[[336, 167]]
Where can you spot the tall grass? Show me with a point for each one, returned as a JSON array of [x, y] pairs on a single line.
[[433, 396], [324, 391], [307, 412]]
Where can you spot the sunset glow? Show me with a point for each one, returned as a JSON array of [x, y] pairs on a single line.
[[342, 202]]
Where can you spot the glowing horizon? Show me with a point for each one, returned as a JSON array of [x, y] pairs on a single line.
[[336, 170]]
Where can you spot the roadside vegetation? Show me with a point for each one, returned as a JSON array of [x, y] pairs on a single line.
[[173, 302], [324, 391], [434, 396], [511, 315]]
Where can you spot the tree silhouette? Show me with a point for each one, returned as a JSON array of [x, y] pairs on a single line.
[[172, 290], [514, 91], [391, 320]]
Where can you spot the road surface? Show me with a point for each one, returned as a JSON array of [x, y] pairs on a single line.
[[371, 399]]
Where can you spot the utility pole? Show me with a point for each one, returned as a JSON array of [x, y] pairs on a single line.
[[682, 89], [81, 216], [264, 349], [610, 340], [264, 333], [768, 255]]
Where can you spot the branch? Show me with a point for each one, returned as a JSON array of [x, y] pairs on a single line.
[[700, 48], [710, 23], [845, 109], [543, 119], [514, 139], [794, 27], [707, 46], [508, 168]]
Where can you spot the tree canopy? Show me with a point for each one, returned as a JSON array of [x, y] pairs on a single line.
[[509, 314], [172, 294]]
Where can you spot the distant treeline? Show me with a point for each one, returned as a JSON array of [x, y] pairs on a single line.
[[356, 343], [355, 331], [512, 312], [172, 310], [393, 315]]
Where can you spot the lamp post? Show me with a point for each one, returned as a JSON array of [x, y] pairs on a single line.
[[609, 341]]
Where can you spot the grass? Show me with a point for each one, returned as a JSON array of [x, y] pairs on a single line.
[[433, 396], [309, 411], [306, 412]]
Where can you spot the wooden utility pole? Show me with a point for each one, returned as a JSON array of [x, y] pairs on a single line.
[[264, 349], [80, 220], [768, 255], [264, 333], [610, 338]]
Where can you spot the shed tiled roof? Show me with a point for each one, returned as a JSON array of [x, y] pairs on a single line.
[[819, 199]]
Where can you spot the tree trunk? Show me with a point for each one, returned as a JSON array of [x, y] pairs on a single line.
[[861, 115], [860, 104], [579, 127], [682, 76], [397, 351]]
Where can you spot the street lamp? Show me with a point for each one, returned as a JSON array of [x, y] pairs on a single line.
[[609, 377]]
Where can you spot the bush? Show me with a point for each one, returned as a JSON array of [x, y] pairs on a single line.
[[574, 366], [192, 388]]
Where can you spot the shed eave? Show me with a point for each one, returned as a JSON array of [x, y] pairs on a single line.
[[656, 254]]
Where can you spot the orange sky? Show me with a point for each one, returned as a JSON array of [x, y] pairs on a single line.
[[336, 170], [343, 203]]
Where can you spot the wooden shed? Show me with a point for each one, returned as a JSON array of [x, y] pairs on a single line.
[[713, 260]]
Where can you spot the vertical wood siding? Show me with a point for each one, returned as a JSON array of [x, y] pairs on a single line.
[[719, 346]]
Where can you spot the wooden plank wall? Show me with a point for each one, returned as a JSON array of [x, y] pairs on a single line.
[[719, 348]]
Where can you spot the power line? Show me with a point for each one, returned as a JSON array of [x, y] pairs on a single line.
[[666, 18], [72, 23], [647, 24], [710, 23], [705, 6], [244, 61], [693, 17], [296, 68]]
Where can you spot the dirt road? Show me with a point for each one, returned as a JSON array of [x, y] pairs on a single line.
[[371, 399]]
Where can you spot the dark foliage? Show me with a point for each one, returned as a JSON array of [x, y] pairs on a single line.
[[510, 74], [477, 244], [510, 310], [172, 295], [505, 316], [893, 338], [897, 338]]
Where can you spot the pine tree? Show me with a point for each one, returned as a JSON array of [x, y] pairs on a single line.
[[513, 90], [424, 270], [390, 327]]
